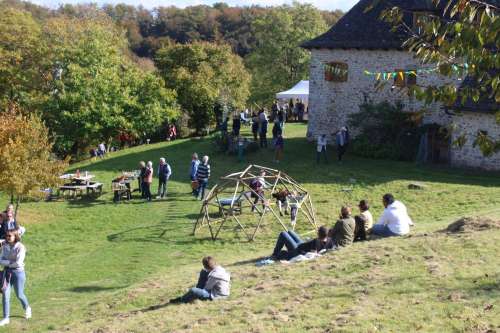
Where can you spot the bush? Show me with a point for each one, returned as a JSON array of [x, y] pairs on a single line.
[[385, 131]]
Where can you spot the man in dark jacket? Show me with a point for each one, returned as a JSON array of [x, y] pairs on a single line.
[[164, 173], [343, 231], [295, 245]]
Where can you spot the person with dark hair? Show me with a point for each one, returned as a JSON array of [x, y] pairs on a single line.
[[12, 258], [281, 200], [341, 140], [342, 232], [142, 172], [263, 128], [395, 220], [224, 126], [364, 221], [147, 180], [295, 245], [213, 283], [236, 125]]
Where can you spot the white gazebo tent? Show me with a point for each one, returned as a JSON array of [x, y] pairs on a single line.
[[300, 91]]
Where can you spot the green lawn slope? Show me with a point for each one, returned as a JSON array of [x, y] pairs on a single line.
[[96, 266]]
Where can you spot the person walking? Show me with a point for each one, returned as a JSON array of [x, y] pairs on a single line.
[[147, 181], [263, 129], [321, 148], [164, 173], [255, 126], [202, 175], [13, 275], [195, 162], [236, 125]]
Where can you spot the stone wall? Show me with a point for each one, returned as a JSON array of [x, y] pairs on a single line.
[[331, 103]]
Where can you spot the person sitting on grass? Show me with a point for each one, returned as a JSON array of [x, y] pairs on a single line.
[[295, 245], [342, 232], [364, 221], [213, 283], [395, 220]]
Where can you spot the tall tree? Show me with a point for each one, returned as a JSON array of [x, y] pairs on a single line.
[[97, 92], [277, 61], [202, 74]]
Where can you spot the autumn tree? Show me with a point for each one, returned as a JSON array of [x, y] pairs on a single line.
[[203, 74], [27, 164], [461, 38]]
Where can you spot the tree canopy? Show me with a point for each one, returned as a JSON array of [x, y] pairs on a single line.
[[278, 61], [204, 74]]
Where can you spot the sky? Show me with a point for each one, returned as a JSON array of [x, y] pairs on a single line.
[[322, 4]]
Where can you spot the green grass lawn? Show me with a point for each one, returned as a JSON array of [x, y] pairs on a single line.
[[96, 266]]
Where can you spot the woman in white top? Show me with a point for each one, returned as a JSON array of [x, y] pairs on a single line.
[[13, 254]]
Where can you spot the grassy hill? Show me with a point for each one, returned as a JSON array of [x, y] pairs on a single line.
[[96, 266]]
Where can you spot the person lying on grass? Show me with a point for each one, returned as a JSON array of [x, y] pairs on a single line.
[[395, 220], [213, 283], [342, 232], [295, 245]]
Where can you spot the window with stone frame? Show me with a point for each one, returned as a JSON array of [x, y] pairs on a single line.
[[405, 78], [336, 71]]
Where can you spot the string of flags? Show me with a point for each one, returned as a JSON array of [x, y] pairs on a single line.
[[334, 69]]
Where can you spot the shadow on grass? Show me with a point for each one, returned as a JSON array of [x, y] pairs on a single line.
[[93, 289]]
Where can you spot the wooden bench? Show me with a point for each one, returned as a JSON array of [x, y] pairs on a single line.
[[73, 190], [95, 188], [121, 190]]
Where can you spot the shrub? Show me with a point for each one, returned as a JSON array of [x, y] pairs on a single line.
[[385, 131]]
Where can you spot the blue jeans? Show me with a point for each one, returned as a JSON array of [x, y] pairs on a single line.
[[17, 281], [291, 241], [319, 153], [382, 230], [196, 293], [202, 187]]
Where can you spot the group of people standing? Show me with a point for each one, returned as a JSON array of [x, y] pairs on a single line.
[[342, 139], [12, 259], [146, 174]]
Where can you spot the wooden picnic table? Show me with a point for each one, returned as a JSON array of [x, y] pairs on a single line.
[[80, 184]]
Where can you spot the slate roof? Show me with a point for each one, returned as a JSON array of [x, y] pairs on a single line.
[[360, 30]]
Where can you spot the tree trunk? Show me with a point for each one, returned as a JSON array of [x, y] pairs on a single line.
[[17, 206]]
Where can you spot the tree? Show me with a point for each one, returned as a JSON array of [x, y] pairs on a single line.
[[21, 59], [278, 62], [461, 38], [202, 74], [26, 161], [97, 92]]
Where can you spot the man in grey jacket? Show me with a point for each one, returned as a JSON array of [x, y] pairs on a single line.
[[213, 283]]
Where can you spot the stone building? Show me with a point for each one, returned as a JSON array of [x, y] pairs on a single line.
[[361, 42]]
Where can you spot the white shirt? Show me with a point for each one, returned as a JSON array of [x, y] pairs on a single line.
[[13, 256], [321, 143], [396, 217], [102, 147]]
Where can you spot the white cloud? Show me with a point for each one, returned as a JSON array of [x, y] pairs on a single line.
[[323, 4]]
